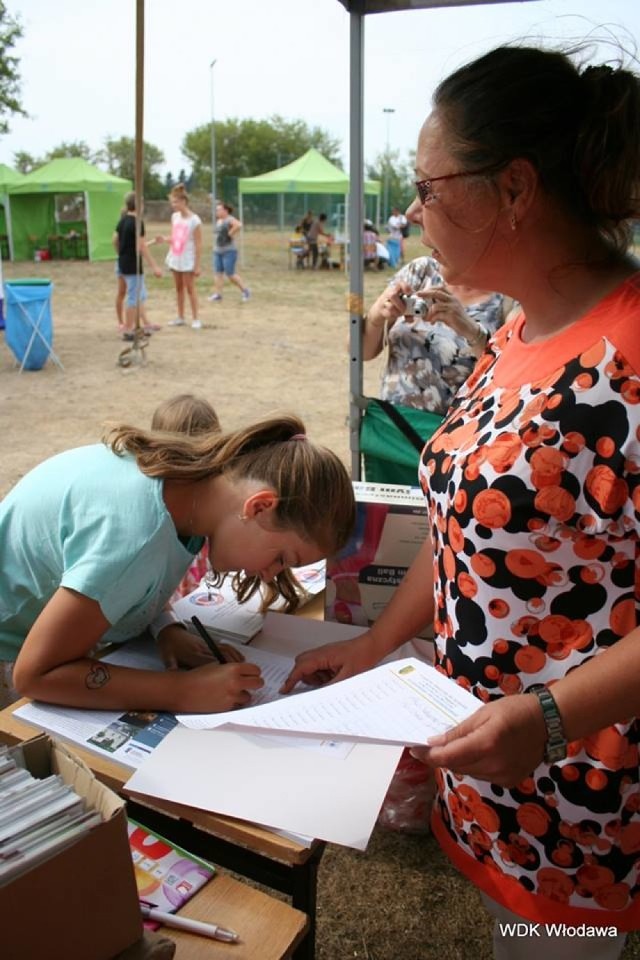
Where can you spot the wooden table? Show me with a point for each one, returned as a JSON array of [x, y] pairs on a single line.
[[269, 929], [246, 848]]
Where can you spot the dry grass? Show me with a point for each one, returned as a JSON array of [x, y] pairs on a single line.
[[285, 349]]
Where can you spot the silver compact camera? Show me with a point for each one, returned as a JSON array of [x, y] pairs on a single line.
[[415, 306]]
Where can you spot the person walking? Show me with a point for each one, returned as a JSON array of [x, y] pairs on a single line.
[[225, 254]]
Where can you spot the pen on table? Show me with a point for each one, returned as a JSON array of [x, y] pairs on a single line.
[[211, 930], [210, 642]]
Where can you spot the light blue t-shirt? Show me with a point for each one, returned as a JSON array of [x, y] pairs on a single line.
[[91, 521]]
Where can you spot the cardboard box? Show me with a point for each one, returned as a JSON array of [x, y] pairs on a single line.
[[82, 904], [391, 527]]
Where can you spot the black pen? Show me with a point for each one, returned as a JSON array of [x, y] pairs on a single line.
[[210, 642]]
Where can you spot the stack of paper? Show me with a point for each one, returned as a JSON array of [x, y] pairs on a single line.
[[38, 818], [218, 607]]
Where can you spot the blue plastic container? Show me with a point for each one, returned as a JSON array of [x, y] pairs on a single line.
[[28, 323]]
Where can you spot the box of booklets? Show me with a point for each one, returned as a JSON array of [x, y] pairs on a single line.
[[81, 903], [391, 526]]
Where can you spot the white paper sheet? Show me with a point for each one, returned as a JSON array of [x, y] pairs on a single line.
[[250, 777], [404, 702]]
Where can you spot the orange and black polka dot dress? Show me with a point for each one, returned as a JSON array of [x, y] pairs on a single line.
[[533, 491]]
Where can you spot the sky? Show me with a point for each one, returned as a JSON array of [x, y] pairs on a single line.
[[291, 57]]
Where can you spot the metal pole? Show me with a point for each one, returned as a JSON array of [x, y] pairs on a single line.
[[354, 235], [213, 155], [388, 111]]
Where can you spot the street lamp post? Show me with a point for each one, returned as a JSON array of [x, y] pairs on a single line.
[[213, 154], [388, 111]]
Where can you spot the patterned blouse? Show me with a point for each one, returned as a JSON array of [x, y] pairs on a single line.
[[427, 362], [533, 491]]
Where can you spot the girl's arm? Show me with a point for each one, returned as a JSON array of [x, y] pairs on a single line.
[[144, 250], [197, 240], [55, 665], [236, 227]]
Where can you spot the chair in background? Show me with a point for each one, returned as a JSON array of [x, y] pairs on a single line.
[[391, 440]]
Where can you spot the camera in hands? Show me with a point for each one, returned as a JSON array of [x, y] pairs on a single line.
[[415, 306]]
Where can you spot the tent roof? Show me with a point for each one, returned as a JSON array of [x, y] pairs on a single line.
[[9, 177], [388, 6], [310, 173], [69, 175]]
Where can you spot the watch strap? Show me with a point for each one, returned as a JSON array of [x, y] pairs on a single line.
[[556, 744]]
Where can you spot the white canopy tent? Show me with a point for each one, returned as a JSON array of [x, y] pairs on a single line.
[[358, 10]]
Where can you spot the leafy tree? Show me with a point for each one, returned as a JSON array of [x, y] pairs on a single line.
[[118, 156], [10, 32], [398, 174], [245, 148], [25, 162], [73, 148]]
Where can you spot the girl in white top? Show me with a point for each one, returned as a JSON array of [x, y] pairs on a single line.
[[183, 258]]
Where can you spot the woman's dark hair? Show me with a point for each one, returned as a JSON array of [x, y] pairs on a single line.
[[580, 128]]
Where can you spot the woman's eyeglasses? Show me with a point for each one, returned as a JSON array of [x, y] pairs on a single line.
[[425, 187]]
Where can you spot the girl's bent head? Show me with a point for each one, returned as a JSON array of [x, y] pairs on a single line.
[[313, 489]]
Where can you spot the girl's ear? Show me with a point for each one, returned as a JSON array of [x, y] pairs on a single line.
[[263, 501]]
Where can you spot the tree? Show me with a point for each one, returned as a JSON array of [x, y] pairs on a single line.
[[74, 148], [25, 162], [397, 174], [119, 158], [10, 31], [245, 148]]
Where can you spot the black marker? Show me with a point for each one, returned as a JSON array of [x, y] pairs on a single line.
[[210, 642]]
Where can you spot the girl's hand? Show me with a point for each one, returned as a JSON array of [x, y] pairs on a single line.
[[180, 648], [214, 688], [196, 271], [332, 662], [503, 742]]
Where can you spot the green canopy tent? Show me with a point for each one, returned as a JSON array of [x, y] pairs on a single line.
[[32, 205], [8, 178], [310, 173]]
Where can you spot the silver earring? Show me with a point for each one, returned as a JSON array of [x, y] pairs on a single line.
[[242, 517], [514, 222]]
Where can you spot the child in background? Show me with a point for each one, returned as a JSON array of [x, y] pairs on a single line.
[[188, 413], [183, 258]]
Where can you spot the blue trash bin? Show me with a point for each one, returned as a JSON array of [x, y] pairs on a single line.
[[28, 324]]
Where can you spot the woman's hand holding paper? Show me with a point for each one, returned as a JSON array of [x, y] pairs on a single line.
[[502, 742]]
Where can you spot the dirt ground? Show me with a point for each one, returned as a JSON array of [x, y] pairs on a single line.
[[283, 350]]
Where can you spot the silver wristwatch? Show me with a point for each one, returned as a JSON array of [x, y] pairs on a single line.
[[556, 746]]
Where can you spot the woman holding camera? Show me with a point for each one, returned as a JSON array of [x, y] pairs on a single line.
[[432, 352]]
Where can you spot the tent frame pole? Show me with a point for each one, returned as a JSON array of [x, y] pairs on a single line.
[[87, 219], [356, 217]]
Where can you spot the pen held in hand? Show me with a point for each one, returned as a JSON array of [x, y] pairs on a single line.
[[210, 642], [211, 930]]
